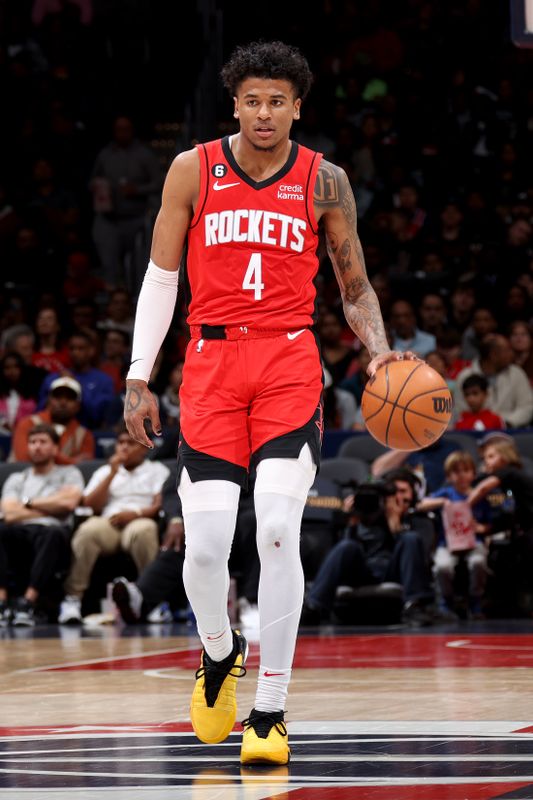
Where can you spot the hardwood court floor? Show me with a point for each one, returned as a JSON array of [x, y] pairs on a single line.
[[440, 714]]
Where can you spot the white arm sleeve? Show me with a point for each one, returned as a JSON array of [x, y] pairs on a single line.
[[155, 309]]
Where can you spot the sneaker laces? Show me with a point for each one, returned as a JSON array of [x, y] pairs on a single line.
[[216, 672], [263, 721]]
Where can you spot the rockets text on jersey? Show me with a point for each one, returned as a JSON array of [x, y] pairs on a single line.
[[251, 256], [254, 226]]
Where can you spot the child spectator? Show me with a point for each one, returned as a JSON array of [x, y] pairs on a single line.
[[510, 392], [504, 470], [475, 390], [460, 471]]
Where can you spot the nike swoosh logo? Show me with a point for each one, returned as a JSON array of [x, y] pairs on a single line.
[[135, 361], [294, 335], [219, 186], [214, 638], [271, 674]]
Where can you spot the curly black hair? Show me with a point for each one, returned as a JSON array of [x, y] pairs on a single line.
[[275, 60]]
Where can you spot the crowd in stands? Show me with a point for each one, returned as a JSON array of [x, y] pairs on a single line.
[[450, 531], [435, 136]]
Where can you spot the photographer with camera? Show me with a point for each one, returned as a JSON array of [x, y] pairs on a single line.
[[384, 542]]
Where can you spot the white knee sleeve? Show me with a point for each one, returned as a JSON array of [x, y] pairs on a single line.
[[281, 490], [209, 515], [288, 476], [207, 495]]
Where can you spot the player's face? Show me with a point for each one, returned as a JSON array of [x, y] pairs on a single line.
[[266, 109]]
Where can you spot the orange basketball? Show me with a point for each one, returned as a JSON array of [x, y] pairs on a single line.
[[406, 405]]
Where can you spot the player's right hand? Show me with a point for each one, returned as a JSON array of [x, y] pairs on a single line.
[[139, 405]]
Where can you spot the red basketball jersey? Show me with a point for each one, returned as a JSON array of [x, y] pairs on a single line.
[[251, 256]]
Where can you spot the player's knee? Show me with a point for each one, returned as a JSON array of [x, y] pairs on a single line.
[[206, 559], [201, 560], [273, 531]]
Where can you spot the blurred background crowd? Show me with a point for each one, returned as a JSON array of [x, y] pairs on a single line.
[[428, 106]]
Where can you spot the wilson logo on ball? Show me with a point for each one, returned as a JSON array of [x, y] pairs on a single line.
[[442, 405]]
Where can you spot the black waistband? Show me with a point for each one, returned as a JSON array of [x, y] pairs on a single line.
[[213, 331]]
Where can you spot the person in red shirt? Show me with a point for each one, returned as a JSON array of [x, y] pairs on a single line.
[[475, 390], [249, 207]]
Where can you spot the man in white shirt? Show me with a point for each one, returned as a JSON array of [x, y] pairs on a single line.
[[125, 496]]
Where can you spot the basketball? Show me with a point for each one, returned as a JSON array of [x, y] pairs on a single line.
[[406, 405]]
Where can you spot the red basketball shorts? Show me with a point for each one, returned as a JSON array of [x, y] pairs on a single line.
[[238, 394]]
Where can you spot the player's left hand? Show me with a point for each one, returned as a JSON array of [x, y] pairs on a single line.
[[386, 358]]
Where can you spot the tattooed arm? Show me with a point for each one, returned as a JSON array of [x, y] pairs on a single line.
[[335, 205]]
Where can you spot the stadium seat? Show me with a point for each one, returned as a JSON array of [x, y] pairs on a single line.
[[524, 443], [379, 604], [464, 441], [344, 470], [362, 446]]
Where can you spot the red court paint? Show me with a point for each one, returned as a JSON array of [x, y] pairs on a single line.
[[454, 791], [358, 652]]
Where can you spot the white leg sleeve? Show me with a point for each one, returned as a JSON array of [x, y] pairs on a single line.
[[209, 516], [281, 490]]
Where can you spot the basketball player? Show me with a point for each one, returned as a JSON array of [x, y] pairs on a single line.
[[249, 207]]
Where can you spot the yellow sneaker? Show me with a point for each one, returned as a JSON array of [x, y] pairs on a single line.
[[214, 701], [265, 739]]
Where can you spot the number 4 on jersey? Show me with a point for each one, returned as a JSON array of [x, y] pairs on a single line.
[[252, 279]]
